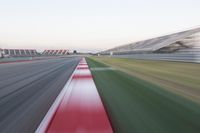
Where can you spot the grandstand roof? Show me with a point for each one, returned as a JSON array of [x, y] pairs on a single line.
[[154, 43]]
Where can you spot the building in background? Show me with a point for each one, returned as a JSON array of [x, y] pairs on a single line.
[[185, 41], [181, 46]]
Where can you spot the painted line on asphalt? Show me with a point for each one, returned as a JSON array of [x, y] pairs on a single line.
[[82, 68]]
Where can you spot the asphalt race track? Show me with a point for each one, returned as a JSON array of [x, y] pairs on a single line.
[[28, 89]]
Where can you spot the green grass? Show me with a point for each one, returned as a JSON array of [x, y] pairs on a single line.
[[180, 78], [137, 106]]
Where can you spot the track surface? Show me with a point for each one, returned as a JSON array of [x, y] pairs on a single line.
[[28, 89]]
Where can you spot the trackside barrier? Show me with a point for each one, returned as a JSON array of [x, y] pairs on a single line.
[[79, 108]]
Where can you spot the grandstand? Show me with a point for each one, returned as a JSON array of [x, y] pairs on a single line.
[[19, 52], [185, 41], [55, 52], [31, 53]]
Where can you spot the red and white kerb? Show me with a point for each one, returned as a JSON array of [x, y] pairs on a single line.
[[81, 109]]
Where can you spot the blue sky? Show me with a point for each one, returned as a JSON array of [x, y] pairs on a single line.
[[91, 24]]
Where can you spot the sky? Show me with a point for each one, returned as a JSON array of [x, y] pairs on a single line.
[[91, 25]]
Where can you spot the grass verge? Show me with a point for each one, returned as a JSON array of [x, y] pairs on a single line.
[[137, 106], [178, 77]]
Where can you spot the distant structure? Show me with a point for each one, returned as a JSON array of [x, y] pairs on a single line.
[[31, 53], [74, 52], [55, 52], [185, 41], [1, 53], [18, 52]]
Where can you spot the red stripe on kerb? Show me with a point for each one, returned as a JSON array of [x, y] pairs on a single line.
[[77, 76], [82, 64], [82, 68], [80, 120], [81, 109]]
